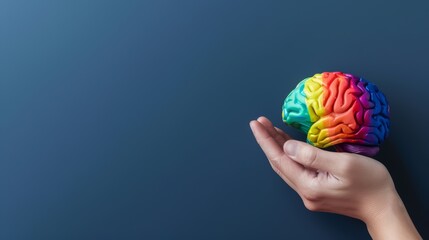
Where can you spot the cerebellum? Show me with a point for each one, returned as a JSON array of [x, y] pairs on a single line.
[[341, 110]]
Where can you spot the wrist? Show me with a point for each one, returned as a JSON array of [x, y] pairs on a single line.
[[392, 221]]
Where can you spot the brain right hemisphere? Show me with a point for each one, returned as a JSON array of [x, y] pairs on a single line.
[[338, 109]]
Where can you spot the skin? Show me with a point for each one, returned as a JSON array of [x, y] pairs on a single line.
[[342, 183]]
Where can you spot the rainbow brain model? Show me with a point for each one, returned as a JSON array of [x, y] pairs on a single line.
[[341, 110]]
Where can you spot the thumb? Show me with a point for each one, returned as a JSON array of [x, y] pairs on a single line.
[[313, 157]]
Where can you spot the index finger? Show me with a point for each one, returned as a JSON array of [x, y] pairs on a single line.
[[268, 144]]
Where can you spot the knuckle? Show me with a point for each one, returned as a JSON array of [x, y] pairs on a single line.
[[276, 170], [310, 205], [381, 170], [311, 195], [347, 164], [309, 155], [274, 167], [346, 167]]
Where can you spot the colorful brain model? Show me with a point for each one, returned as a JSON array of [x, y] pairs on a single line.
[[340, 110]]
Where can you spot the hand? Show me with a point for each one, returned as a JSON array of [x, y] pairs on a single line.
[[343, 183]]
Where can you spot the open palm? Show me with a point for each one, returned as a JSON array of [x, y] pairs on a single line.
[[337, 182]]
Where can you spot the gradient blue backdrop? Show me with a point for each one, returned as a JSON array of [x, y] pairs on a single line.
[[129, 119]]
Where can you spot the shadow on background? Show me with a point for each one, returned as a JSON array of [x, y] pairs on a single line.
[[408, 191]]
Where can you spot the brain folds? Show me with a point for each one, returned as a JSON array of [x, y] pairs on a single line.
[[334, 108]]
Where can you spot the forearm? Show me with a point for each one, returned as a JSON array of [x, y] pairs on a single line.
[[393, 223]]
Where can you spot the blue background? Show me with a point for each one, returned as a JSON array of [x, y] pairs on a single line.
[[129, 119]]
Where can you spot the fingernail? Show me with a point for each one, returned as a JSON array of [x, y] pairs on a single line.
[[290, 148], [250, 124]]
